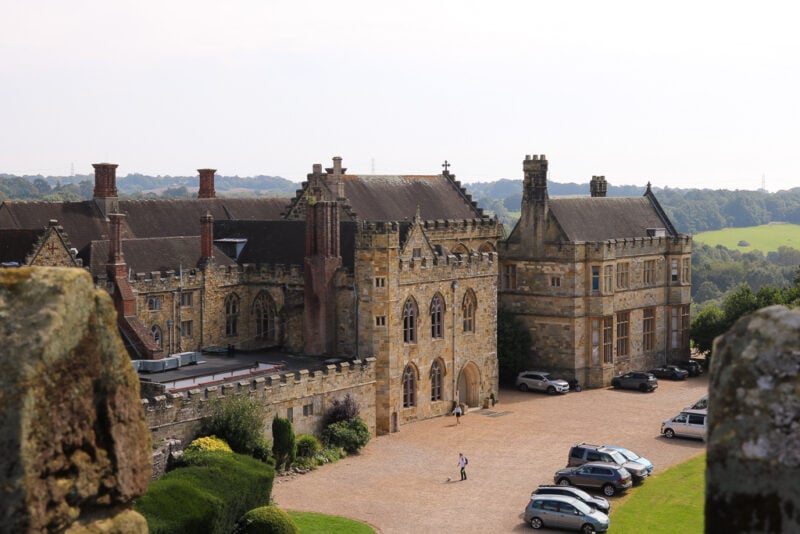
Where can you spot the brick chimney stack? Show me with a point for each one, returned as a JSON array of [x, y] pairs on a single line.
[[115, 256], [207, 183], [206, 238], [105, 187], [598, 186]]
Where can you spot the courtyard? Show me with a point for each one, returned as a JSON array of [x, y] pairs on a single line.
[[399, 483]]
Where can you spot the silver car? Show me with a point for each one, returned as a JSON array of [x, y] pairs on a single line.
[[560, 511], [688, 423], [540, 381]]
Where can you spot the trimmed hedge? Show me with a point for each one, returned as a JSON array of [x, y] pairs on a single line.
[[349, 435], [266, 520], [207, 495], [308, 446]]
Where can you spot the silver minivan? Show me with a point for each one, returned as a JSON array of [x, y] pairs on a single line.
[[560, 511], [688, 423]]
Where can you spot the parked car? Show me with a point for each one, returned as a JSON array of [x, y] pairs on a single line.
[[560, 511], [635, 380], [598, 503], [633, 457], [584, 453], [611, 478], [701, 404], [688, 423], [693, 366], [540, 381], [673, 372]]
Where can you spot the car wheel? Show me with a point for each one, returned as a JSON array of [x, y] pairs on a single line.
[[578, 389], [643, 388], [536, 523], [551, 390], [615, 385], [609, 490], [588, 529], [523, 387], [669, 433], [564, 482]]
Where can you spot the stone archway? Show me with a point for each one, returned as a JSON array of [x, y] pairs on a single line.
[[469, 385]]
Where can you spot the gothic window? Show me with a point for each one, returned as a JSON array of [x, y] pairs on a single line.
[[155, 331], [623, 342], [410, 321], [437, 311], [468, 308], [231, 315], [264, 309], [436, 381], [409, 387], [154, 303]]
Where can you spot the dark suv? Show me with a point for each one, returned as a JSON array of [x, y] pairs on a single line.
[[635, 380], [583, 453], [612, 478]]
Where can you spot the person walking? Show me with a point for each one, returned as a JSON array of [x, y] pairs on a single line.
[[462, 463], [457, 413]]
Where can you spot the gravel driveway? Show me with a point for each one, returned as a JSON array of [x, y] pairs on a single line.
[[399, 483]]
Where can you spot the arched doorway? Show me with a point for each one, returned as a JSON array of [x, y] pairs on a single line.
[[469, 385]]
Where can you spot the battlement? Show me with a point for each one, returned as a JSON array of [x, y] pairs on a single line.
[[621, 248], [178, 414]]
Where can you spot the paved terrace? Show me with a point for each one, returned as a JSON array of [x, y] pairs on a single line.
[[399, 482]]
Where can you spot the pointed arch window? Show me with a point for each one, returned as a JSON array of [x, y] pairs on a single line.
[[409, 387], [436, 381], [468, 309], [231, 315], [155, 331], [264, 308], [410, 321], [437, 312]]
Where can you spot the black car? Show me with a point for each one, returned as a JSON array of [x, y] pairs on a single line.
[[642, 381], [672, 372], [693, 366]]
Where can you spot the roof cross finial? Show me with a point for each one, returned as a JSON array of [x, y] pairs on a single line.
[[446, 166]]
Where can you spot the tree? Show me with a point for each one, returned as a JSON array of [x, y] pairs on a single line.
[[513, 346], [706, 326], [238, 419], [284, 447]]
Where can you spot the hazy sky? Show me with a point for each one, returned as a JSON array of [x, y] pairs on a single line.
[[682, 94]]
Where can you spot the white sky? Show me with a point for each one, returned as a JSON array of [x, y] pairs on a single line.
[[683, 94]]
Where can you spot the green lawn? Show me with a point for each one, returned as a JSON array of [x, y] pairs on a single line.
[[672, 501], [766, 238], [311, 523]]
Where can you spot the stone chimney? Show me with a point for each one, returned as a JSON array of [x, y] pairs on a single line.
[[335, 177], [206, 183], [598, 186], [115, 256], [206, 239], [105, 187]]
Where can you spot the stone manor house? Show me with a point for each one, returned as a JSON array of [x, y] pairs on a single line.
[[398, 271]]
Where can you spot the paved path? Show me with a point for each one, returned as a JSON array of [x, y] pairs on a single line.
[[399, 483]]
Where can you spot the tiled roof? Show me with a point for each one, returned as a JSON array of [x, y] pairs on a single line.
[[155, 254], [15, 245], [396, 198], [603, 218]]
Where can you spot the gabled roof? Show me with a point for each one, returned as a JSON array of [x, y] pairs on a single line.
[[603, 218], [396, 198], [16, 245], [155, 254]]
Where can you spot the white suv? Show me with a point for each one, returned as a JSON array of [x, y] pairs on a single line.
[[540, 381]]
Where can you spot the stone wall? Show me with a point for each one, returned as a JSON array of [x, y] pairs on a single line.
[[753, 438], [303, 397]]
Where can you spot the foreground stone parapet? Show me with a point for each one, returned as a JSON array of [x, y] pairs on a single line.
[[72, 430], [753, 469]]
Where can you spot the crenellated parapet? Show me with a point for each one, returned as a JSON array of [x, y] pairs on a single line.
[[276, 273], [178, 413]]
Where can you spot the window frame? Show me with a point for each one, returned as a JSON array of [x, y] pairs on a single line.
[[436, 380], [623, 333], [437, 310], [649, 329], [409, 386], [232, 308], [469, 306], [409, 316]]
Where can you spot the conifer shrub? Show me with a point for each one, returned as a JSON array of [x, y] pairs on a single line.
[[239, 420], [266, 520], [283, 442], [207, 495], [349, 435], [308, 446]]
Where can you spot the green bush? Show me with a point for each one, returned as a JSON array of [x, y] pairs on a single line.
[[206, 496], [208, 443], [330, 454], [308, 446], [266, 520], [239, 420], [349, 435], [283, 444]]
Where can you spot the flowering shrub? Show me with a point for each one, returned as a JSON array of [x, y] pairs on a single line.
[[209, 443]]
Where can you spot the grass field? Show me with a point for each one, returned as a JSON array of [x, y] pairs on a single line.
[[766, 238], [311, 523], [672, 501]]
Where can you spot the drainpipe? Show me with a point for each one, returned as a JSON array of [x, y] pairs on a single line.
[[454, 286]]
